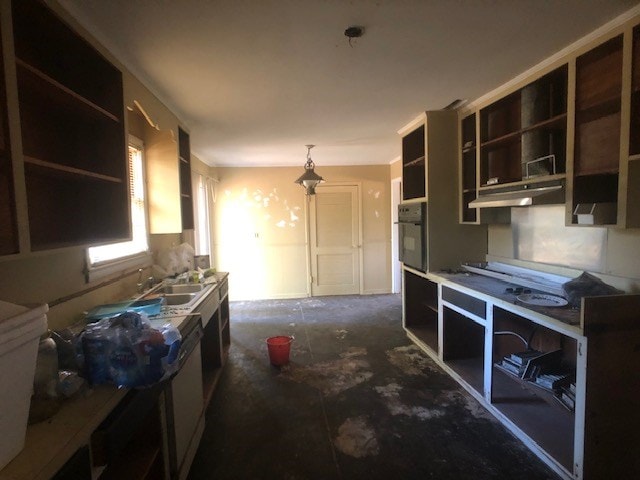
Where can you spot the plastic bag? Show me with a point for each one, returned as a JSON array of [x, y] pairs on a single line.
[[127, 351], [586, 285]]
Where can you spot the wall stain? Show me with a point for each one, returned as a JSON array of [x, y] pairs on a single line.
[[411, 360], [354, 352], [331, 378], [357, 438], [391, 396]]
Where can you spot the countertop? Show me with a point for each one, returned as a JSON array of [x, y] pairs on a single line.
[[494, 290], [50, 443]]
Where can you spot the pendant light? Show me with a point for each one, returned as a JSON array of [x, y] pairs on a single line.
[[309, 179]]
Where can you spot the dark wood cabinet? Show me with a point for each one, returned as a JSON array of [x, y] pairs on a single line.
[[9, 229], [186, 192], [73, 137], [598, 103], [523, 135], [468, 168], [413, 164]]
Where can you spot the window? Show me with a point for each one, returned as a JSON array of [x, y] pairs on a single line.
[[201, 217], [109, 258]]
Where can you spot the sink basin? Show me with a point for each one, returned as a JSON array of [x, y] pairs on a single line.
[[179, 298], [185, 288]]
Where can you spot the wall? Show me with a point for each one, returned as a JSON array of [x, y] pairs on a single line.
[[260, 229]]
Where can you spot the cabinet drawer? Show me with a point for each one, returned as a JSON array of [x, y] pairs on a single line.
[[465, 302]]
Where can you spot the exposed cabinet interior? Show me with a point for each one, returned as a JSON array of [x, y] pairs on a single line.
[[9, 232], [468, 168], [71, 118], [413, 164], [532, 408], [463, 347], [186, 193], [596, 164], [523, 135], [634, 135], [130, 442], [421, 308], [215, 345]]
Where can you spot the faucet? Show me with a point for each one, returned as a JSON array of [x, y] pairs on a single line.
[[142, 285]]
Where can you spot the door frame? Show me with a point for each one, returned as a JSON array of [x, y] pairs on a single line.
[[396, 268], [358, 186]]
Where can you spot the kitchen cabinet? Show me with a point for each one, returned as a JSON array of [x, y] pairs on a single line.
[[186, 192], [479, 324], [468, 169], [9, 232], [523, 135], [72, 132], [433, 137]]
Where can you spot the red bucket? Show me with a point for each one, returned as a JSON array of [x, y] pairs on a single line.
[[279, 348]]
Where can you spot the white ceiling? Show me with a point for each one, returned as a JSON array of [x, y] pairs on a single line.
[[255, 80]]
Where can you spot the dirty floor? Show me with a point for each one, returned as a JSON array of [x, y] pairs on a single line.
[[357, 401]]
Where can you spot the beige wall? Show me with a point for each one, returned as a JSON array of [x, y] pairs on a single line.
[[396, 169], [260, 229]]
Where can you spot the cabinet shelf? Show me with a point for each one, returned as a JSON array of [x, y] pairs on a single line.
[[558, 122], [72, 171], [34, 80], [415, 163], [501, 141]]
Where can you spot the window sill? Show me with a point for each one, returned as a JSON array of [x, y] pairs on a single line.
[[117, 267]]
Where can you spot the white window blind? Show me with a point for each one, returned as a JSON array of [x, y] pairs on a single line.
[[116, 252], [201, 217]]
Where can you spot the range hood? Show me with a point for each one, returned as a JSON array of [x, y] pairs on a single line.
[[524, 196]]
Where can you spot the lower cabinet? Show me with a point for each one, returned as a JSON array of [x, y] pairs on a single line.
[[569, 392]]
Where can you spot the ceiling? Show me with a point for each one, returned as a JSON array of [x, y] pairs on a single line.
[[254, 81]]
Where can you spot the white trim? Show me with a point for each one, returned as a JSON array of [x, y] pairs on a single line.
[[111, 268]]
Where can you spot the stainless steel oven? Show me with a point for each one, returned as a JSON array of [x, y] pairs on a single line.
[[412, 230]]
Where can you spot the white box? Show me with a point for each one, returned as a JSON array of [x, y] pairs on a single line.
[[20, 331]]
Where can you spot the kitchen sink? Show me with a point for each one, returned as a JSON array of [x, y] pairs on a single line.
[[184, 288], [179, 298]]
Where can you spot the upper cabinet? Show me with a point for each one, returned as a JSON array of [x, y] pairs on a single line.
[[186, 200], [72, 131], [413, 165], [9, 230], [575, 121], [523, 135]]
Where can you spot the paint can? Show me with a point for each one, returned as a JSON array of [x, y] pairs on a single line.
[[279, 348]]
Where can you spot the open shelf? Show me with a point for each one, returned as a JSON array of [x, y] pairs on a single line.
[[468, 168], [421, 308], [463, 347], [186, 191], [530, 407], [413, 164], [550, 426]]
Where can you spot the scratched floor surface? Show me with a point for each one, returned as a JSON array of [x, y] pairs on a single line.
[[357, 401]]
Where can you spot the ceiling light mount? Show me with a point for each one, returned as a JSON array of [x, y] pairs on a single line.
[[354, 32]]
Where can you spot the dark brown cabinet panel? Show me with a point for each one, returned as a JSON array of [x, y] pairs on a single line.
[[597, 130], [413, 164], [468, 167], [186, 192], [8, 226], [71, 119]]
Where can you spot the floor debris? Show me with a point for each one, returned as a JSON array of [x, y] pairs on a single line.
[[357, 438]]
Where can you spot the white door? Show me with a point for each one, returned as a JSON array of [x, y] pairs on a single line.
[[334, 240]]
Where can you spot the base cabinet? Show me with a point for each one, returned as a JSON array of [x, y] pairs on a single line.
[[574, 404]]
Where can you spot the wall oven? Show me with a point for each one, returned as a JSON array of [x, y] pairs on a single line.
[[412, 232]]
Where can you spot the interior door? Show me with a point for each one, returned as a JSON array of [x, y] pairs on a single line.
[[334, 239]]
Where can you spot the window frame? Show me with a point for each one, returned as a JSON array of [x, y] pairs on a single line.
[[106, 268]]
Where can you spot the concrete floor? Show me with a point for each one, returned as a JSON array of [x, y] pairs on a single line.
[[357, 401]]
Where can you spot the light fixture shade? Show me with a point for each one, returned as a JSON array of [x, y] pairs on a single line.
[[309, 179]]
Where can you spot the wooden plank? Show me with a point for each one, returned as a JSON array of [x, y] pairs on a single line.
[[612, 417]]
